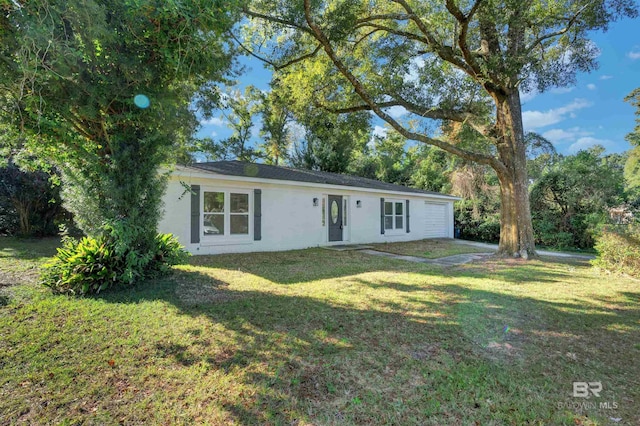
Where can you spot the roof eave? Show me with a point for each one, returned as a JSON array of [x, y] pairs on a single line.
[[206, 173]]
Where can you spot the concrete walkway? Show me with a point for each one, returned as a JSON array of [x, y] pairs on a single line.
[[494, 247], [457, 259], [461, 259]]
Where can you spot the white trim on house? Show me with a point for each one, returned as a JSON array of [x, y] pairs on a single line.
[[199, 173], [226, 237], [392, 218]]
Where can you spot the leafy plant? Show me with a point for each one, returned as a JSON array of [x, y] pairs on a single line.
[[91, 265], [111, 128], [619, 250]]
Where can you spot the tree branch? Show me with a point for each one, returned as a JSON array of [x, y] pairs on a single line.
[[464, 29], [560, 32], [391, 16], [249, 51], [368, 100], [299, 59], [277, 20], [432, 113], [446, 53], [407, 34]]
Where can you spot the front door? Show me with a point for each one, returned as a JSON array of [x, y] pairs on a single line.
[[335, 218]]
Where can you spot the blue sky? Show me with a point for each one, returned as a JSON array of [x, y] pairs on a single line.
[[591, 112]]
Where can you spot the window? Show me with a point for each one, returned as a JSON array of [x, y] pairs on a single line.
[[393, 215], [213, 213], [225, 213], [239, 213], [344, 212]]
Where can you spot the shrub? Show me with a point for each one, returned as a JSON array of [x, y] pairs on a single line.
[[92, 265], [619, 250], [30, 203]]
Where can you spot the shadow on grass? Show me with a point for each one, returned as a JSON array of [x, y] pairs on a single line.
[[294, 350], [398, 353], [28, 248], [295, 266]]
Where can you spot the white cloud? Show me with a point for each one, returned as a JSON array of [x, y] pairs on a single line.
[[634, 54], [561, 90], [296, 130], [380, 131], [591, 86], [561, 135], [214, 121], [587, 142], [397, 111], [214, 134], [606, 77], [557, 135], [536, 119]]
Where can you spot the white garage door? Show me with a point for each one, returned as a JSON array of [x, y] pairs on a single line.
[[437, 220]]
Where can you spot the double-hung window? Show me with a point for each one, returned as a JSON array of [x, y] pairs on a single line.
[[225, 213], [393, 215]]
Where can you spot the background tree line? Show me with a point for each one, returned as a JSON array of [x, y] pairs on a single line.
[[572, 196]]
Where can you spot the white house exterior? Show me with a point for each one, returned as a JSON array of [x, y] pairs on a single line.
[[234, 207]]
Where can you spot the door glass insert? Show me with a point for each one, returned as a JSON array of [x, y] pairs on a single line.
[[334, 211], [344, 212]]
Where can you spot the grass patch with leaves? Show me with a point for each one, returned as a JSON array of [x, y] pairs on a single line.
[[324, 337], [429, 248]]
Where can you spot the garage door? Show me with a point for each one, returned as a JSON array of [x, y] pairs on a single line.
[[437, 220]]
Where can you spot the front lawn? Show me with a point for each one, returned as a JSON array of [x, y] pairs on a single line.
[[429, 249], [324, 337]]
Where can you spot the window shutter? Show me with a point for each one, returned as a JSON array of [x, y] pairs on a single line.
[[382, 216], [195, 213], [257, 214], [407, 212]]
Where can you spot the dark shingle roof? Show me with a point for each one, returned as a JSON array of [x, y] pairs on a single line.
[[264, 171]]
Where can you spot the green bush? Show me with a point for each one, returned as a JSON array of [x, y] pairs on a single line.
[[619, 250], [92, 265]]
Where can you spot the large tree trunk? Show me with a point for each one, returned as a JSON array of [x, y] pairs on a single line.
[[516, 229]]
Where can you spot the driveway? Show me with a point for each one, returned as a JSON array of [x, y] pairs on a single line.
[[494, 248]]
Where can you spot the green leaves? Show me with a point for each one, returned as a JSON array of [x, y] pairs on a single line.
[[92, 265], [619, 250], [572, 198]]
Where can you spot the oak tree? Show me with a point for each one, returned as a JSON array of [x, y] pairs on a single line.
[[455, 61]]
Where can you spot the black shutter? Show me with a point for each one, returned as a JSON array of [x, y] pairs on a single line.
[[407, 212], [195, 213], [382, 216], [257, 214]]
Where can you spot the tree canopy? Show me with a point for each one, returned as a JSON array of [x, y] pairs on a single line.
[[411, 62], [109, 87]]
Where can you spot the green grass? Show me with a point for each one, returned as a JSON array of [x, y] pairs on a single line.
[[324, 337], [430, 249]]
